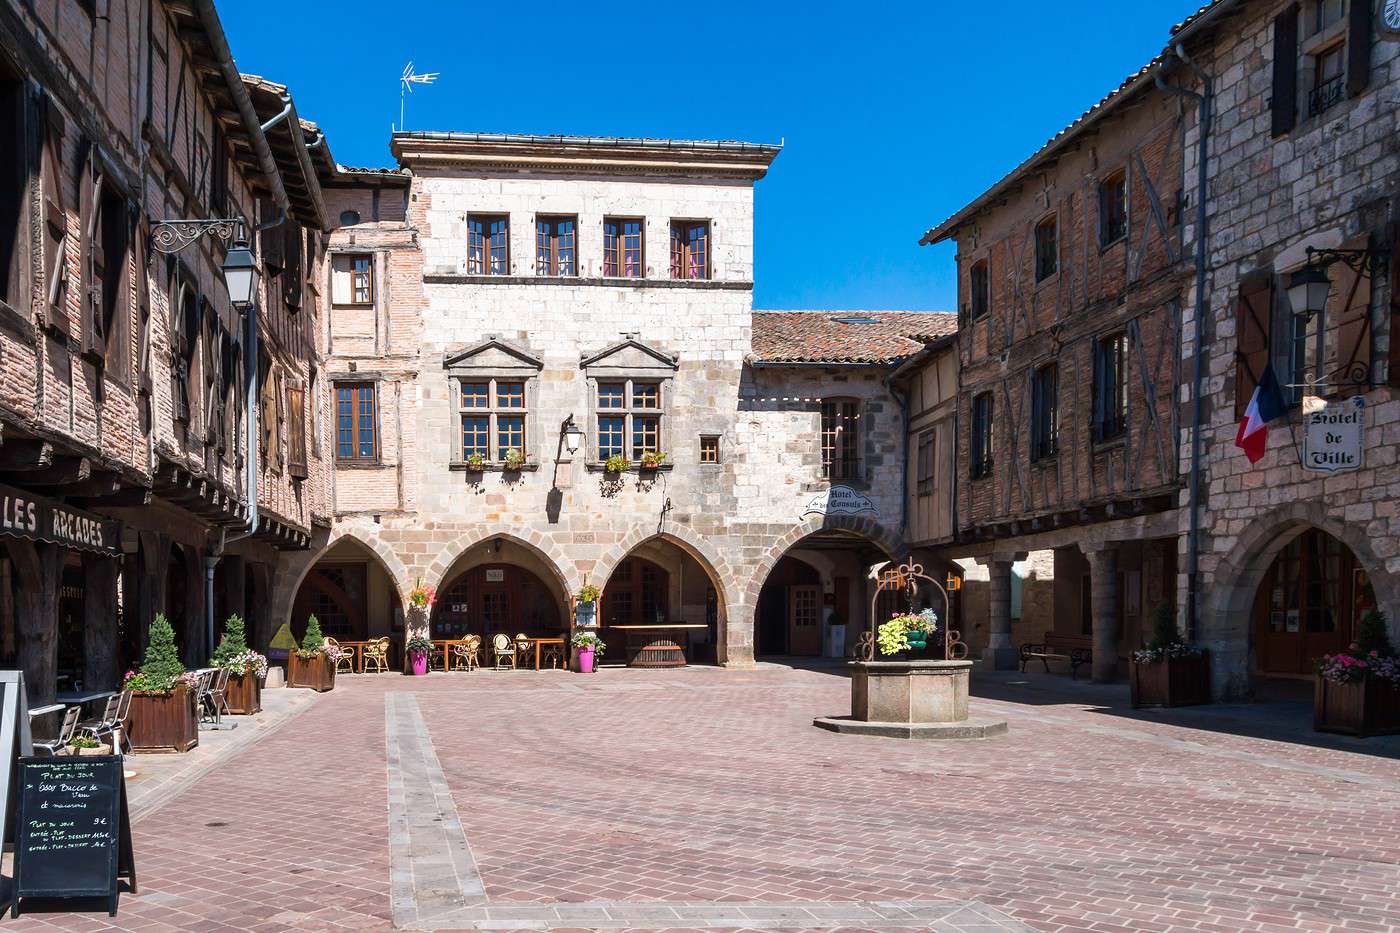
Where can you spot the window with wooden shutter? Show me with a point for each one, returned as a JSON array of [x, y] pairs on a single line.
[[1285, 89], [296, 432], [1349, 311], [112, 304], [270, 241], [55, 220], [982, 439], [1358, 47], [267, 408], [1110, 387], [15, 107], [92, 261], [293, 245], [1253, 314], [184, 331], [213, 375]]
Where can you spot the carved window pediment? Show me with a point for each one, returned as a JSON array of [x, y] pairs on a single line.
[[631, 357], [493, 355]]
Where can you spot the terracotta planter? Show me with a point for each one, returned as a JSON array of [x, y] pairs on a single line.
[[244, 694], [1170, 681], [99, 750], [163, 722], [316, 673], [1369, 706]]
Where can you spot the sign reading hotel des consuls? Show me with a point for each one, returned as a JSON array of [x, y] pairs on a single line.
[[841, 500], [1334, 434], [35, 518]]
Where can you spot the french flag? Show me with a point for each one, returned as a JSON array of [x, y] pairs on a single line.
[[1265, 405]]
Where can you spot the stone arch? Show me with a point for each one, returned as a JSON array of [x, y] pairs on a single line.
[[1227, 611], [549, 553], [718, 569], [874, 532], [292, 574]]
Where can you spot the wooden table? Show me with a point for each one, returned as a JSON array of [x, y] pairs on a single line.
[[564, 662], [658, 651]]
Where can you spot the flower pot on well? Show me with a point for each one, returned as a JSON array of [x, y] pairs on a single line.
[[419, 662], [585, 660]]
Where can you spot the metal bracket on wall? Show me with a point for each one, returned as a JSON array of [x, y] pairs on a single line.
[[171, 236]]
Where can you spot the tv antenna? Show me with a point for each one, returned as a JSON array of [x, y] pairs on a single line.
[[406, 82]]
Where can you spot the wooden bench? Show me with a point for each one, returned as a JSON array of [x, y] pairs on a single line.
[[1076, 649]]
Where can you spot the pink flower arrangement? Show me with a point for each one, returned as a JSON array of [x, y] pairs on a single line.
[[421, 597]]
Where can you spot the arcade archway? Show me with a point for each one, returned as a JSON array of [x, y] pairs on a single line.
[[662, 592], [352, 595], [1308, 604], [500, 586]]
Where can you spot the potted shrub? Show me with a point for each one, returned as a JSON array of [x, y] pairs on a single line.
[[616, 464], [1358, 690], [589, 647], [1168, 672], [476, 462], [652, 459], [313, 664], [162, 716], [87, 745], [419, 649], [246, 668], [514, 459], [586, 606]]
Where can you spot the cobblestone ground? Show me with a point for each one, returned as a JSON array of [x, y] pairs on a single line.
[[705, 798]]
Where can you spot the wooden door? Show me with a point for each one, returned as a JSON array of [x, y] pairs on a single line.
[[1303, 609], [805, 620]]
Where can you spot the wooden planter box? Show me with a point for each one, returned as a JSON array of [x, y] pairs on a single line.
[[1170, 681], [163, 722], [244, 694], [316, 673], [1369, 706]]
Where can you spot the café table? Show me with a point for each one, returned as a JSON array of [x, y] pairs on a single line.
[[656, 650], [357, 654], [564, 661]]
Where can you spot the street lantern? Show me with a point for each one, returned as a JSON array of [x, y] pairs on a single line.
[[1308, 289], [240, 274], [573, 435]]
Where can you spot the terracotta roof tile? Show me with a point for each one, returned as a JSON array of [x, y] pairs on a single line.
[[874, 337]]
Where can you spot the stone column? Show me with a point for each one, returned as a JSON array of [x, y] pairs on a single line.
[[1103, 588], [37, 620], [100, 622], [1001, 655]]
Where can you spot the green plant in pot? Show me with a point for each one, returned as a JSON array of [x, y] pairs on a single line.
[[476, 462], [514, 459], [419, 649], [653, 459], [615, 464]]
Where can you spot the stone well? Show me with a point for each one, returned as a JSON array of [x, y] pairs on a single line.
[[911, 700]]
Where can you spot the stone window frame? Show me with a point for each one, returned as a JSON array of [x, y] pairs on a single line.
[[512, 363], [683, 248], [648, 365], [490, 256], [1316, 43], [711, 450]]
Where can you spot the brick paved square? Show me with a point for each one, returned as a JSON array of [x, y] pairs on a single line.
[[704, 798]]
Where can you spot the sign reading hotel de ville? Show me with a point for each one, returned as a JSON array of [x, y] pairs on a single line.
[[841, 500], [1332, 442]]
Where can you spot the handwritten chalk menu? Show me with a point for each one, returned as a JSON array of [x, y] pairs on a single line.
[[73, 838]]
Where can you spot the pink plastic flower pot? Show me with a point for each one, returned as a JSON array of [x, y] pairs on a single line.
[[419, 661], [585, 660]]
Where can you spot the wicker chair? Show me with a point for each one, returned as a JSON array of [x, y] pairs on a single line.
[[467, 653], [553, 656], [504, 650], [346, 662], [376, 654], [523, 644]]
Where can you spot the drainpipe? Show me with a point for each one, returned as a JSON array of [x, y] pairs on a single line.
[[1205, 99], [903, 400]]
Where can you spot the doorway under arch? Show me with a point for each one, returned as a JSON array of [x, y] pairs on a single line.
[[662, 591], [497, 598], [1308, 604], [352, 595]]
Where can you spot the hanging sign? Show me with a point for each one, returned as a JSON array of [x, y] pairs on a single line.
[[73, 838], [1333, 436], [25, 515], [841, 500]]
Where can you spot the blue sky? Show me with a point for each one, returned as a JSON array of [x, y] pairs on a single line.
[[894, 114]]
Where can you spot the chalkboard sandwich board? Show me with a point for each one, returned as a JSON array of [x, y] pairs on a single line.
[[73, 838]]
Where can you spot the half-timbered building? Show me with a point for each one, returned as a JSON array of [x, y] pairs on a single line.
[[1071, 275]]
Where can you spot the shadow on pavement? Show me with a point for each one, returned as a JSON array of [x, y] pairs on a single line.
[[1282, 711]]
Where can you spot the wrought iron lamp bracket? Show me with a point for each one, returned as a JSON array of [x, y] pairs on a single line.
[[173, 235], [1370, 261]]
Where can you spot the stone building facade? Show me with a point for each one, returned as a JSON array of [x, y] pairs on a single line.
[[1071, 274], [496, 292], [126, 369], [1303, 152]]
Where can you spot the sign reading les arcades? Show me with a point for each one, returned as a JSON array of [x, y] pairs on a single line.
[[23, 515]]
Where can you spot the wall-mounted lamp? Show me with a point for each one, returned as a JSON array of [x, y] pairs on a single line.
[[573, 435], [240, 274], [240, 268], [1308, 289]]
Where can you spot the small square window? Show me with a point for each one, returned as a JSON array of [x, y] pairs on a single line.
[[612, 395], [709, 449], [646, 395], [510, 395]]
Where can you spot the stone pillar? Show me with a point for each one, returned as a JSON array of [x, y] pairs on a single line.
[[1103, 588], [1001, 655], [100, 622], [37, 619]]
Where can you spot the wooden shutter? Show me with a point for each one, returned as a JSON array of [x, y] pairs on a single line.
[[267, 413], [55, 220], [212, 375], [270, 243], [180, 301], [296, 432], [143, 309], [1253, 314], [1358, 46], [1285, 108], [1394, 375], [292, 248], [1097, 387], [93, 264], [1349, 310], [341, 267]]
